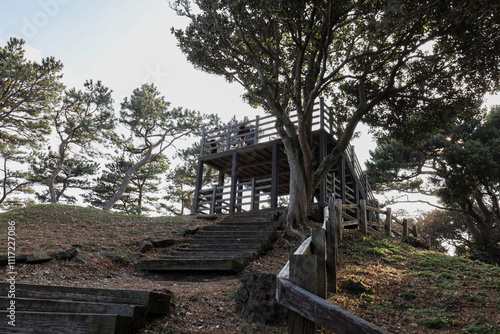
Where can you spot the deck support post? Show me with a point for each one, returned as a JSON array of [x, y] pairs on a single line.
[[234, 183], [322, 154], [197, 187]]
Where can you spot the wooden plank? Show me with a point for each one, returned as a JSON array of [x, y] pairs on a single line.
[[388, 222], [340, 218], [69, 306], [371, 208], [75, 323], [304, 248], [331, 248], [322, 312], [364, 223], [303, 269], [405, 228], [190, 265], [318, 248]]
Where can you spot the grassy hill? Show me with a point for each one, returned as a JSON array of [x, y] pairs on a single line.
[[400, 288]]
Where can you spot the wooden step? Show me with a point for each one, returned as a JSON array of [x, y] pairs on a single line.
[[192, 265], [58, 309]]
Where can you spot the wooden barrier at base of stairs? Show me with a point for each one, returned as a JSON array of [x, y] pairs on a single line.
[[58, 309]]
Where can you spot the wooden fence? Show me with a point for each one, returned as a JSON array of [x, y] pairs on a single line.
[[303, 283]]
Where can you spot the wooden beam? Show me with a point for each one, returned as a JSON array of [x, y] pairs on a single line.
[[318, 248], [388, 222], [322, 312], [197, 186], [364, 220], [405, 228], [302, 273], [234, 182], [331, 248]]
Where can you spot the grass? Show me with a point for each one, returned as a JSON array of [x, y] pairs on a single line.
[[418, 291]]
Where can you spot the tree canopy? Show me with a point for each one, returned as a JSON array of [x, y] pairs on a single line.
[[404, 67], [27, 92], [462, 166]]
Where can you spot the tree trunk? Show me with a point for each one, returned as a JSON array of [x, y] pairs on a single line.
[[299, 199], [126, 179], [62, 156]]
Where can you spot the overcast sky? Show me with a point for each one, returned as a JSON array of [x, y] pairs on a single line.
[[125, 43]]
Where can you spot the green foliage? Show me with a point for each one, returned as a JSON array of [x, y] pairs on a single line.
[[406, 68], [27, 92], [463, 169], [478, 328], [434, 322], [74, 173], [139, 195]]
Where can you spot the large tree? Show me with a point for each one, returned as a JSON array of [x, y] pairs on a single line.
[[73, 173], [82, 119], [460, 166], [27, 92], [404, 66], [153, 128], [141, 193]]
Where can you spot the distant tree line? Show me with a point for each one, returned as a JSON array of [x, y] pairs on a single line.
[[60, 140]]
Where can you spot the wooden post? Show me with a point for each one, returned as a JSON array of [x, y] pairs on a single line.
[[342, 180], [256, 133], [415, 231], [203, 142], [388, 222], [197, 187], [322, 153], [214, 200], [331, 248], [234, 183], [318, 248], [364, 222], [340, 219], [303, 274], [405, 228], [253, 196], [228, 137]]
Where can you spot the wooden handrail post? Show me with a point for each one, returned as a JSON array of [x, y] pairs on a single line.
[[214, 199], [405, 228], [340, 219], [303, 270], [228, 135], [364, 222], [256, 133], [415, 231], [388, 222], [253, 197], [331, 248], [203, 134], [318, 248]]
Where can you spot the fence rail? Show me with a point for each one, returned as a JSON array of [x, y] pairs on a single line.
[[303, 282]]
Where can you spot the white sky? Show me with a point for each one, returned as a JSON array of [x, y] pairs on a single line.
[[125, 43]]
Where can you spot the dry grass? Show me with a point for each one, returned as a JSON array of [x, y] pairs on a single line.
[[410, 291]]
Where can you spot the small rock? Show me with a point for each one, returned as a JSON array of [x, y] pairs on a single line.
[[39, 257], [145, 246], [162, 242], [66, 254], [353, 287], [187, 230], [19, 258], [416, 242], [81, 258]]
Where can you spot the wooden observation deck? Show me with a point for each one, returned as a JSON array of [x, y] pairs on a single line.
[[253, 168]]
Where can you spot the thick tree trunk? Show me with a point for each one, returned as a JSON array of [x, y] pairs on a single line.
[[299, 199]]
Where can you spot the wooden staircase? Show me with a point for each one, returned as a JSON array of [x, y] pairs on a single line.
[[62, 309], [226, 246]]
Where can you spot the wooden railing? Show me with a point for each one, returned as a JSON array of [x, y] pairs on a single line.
[[303, 282], [259, 130], [250, 195]]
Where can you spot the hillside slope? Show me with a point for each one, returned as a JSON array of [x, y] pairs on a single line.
[[398, 287]]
